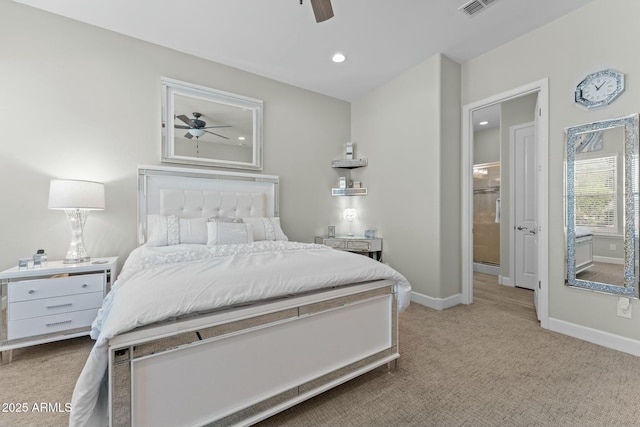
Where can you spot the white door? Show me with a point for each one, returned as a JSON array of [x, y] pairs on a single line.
[[525, 249], [536, 127]]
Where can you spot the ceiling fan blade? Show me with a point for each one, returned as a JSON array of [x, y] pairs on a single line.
[[322, 9], [182, 127], [211, 127], [188, 135], [217, 135], [185, 119]]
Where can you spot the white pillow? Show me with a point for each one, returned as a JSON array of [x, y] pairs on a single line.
[[162, 230], [228, 233], [266, 228], [193, 230]]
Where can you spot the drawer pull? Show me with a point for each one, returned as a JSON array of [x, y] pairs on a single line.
[[69, 304], [31, 291], [58, 323], [84, 285]]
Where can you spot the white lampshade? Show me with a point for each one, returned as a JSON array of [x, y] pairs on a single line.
[[74, 194], [350, 214]]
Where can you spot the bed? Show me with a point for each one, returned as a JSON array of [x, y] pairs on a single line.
[[217, 319], [584, 249]]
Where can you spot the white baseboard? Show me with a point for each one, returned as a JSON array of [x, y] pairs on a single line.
[[608, 260], [436, 303], [605, 339], [486, 268]]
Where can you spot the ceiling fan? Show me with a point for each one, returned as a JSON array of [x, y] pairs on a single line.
[[196, 127], [321, 9]]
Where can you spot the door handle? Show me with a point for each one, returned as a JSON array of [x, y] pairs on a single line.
[[520, 228]]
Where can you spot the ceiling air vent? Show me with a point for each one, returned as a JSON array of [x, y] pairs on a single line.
[[475, 6]]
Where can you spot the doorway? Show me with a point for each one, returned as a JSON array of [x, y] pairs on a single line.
[[539, 89]]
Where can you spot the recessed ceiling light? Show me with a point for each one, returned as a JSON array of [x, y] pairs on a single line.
[[338, 57], [483, 123], [241, 138]]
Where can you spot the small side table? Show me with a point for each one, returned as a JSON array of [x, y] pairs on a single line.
[[51, 303], [370, 246]]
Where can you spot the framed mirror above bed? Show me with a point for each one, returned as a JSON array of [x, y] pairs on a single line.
[[209, 127], [602, 211]]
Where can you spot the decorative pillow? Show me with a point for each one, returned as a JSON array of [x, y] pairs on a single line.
[[156, 230], [162, 230], [266, 228], [228, 233], [173, 230], [225, 219], [193, 230], [170, 230]]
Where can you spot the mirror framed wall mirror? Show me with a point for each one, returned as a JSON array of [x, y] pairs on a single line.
[[602, 211], [208, 127]]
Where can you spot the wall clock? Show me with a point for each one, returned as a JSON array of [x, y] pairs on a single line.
[[599, 88]]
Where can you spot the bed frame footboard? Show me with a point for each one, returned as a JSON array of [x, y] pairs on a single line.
[[240, 366]]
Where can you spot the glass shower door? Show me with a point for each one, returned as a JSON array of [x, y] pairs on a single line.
[[486, 213]]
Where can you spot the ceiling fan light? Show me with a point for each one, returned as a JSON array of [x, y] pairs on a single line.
[[197, 132], [338, 58]]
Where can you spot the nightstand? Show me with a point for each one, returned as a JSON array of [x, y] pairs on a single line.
[[371, 247], [52, 303]]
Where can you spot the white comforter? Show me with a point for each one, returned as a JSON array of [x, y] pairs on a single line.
[[163, 282]]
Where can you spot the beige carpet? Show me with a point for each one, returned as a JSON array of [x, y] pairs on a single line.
[[43, 374], [480, 365], [602, 272]]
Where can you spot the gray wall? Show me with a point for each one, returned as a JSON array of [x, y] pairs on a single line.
[[486, 145], [409, 128], [564, 52], [80, 102]]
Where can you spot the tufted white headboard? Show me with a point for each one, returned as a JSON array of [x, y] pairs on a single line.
[[198, 193], [205, 203]]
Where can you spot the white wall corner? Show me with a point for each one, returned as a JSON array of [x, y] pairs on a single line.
[[595, 336], [505, 281], [436, 303]]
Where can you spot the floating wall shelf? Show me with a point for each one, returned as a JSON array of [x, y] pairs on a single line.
[[349, 164], [348, 191]]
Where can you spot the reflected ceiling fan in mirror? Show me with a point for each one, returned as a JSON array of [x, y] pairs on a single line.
[[196, 127], [321, 9]]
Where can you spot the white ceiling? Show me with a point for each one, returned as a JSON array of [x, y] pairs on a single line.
[[281, 40], [490, 114]]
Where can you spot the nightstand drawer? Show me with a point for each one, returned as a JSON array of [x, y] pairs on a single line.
[[50, 324], [336, 244], [358, 245], [49, 306], [370, 246], [28, 290]]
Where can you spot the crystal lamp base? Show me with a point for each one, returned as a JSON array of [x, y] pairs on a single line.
[[76, 253]]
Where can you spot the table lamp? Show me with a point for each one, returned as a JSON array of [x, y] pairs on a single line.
[[76, 198], [350, 215]]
